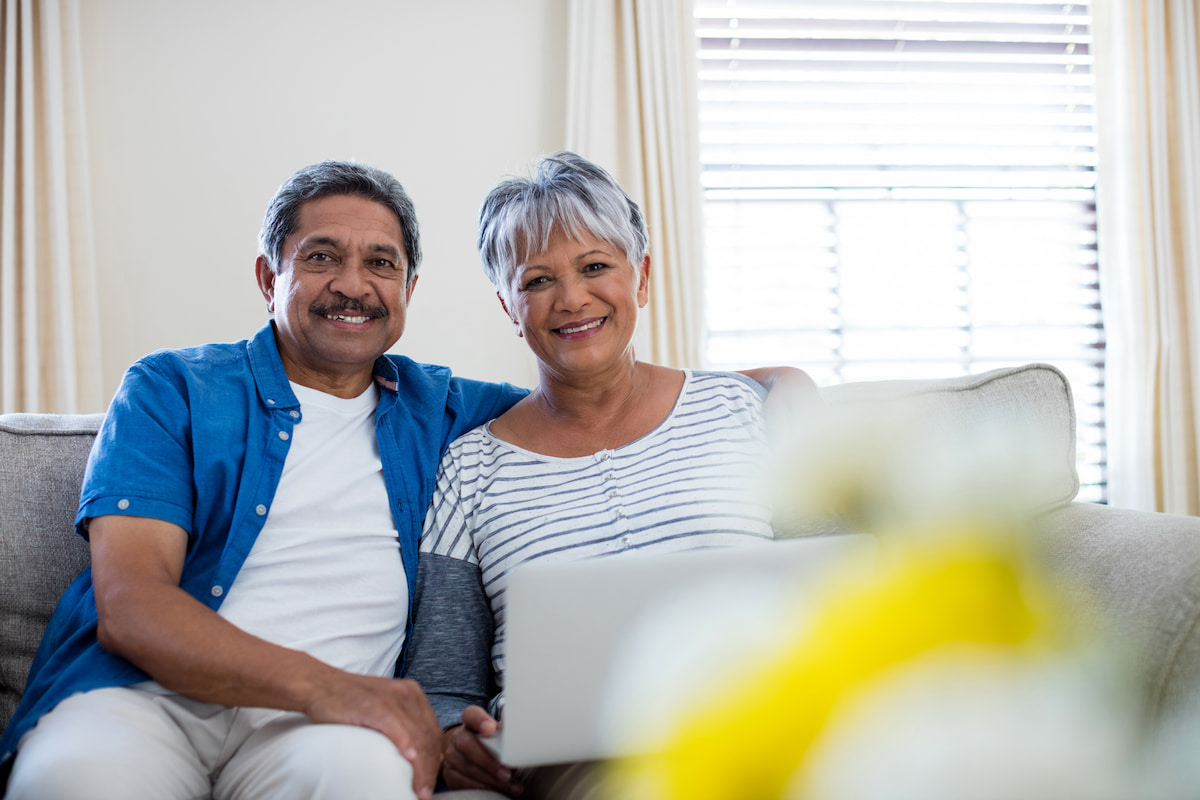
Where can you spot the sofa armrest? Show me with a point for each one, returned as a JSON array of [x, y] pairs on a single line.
[[1141, 571]]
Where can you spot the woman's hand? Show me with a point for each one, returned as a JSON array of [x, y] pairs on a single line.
[[468, 763]]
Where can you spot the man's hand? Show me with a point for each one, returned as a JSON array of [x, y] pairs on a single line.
[[396, 708], [468, 764], [791, 394]]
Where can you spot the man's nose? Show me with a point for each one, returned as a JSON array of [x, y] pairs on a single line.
[[350, 280]]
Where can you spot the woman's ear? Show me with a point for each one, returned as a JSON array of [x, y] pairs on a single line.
[[643, 291], [512, 317]]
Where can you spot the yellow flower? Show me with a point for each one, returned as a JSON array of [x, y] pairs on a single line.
[[923, 594]]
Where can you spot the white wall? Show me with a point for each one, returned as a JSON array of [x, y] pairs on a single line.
[[198, 109]]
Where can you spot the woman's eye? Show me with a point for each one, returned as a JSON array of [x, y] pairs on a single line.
[[534, 283], [595, 267]]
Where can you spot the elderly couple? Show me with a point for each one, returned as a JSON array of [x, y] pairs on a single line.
[[248, 611]]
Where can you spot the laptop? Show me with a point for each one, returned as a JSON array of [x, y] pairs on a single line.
[[600, 651]]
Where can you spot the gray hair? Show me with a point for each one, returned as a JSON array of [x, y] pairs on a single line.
[[332, 178], [567, 193]]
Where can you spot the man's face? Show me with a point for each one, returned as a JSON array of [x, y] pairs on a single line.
[[340, 295]]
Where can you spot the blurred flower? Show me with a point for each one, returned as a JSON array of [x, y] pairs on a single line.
[[755, 734], [945, 666]]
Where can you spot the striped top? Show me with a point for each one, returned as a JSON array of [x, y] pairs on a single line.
[[691, 482]]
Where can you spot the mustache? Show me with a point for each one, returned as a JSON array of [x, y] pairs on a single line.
[[349, 306]]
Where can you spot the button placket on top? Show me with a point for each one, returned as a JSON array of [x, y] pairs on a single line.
[[278, 444], [612, 493]]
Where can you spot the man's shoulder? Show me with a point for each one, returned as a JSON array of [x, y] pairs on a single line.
[[216, 353], [414, 374]]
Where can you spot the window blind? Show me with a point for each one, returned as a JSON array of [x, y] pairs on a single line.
[[903, 188]]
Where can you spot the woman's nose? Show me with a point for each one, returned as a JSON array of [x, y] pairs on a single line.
[[571, 294]]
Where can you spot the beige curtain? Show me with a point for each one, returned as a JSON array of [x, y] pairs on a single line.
[[632, 108], [1148, 101], [49, 329]]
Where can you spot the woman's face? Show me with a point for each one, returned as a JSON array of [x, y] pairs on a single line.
[[576, 304]]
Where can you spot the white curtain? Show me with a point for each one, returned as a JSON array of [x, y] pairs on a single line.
[[632, 108], [1148, 99], [49, 321]]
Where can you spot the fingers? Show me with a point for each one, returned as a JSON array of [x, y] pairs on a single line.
[[396, 708], [468, 764], [478, 720], [416, 733]]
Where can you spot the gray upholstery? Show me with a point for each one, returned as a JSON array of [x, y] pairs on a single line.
[[42, 457], [1142, 571]]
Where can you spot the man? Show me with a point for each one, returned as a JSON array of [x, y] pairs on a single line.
[[253, 511]]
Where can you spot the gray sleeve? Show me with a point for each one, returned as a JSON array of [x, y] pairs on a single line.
[[450, 651]]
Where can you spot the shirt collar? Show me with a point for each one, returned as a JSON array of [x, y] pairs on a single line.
[[269, 375], [272, 381]]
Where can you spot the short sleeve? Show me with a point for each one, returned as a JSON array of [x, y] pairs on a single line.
[[141, 461]]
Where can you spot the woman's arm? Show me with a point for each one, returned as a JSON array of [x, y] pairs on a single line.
[[450, 657]]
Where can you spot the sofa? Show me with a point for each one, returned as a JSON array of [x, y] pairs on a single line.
[[1141, 569]]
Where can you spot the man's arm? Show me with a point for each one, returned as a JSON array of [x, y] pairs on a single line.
[[791, 392], [146, 618]]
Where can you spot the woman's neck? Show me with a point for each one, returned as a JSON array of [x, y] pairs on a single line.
[[572, 418]]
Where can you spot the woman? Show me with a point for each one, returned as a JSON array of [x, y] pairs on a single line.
[[607, 454]]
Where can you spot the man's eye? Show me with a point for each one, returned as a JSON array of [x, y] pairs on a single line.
[[319, 257], [383, 263]]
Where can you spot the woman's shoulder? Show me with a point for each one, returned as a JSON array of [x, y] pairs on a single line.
[[721, 383]]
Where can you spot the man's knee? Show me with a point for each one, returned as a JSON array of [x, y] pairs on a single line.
[[104, 744], [321, 761]]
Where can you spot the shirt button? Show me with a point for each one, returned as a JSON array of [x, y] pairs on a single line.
[[122, 504], [217, 591], [283, 435], [612, 492], [295, 414], [618, 513], [626, 541], [608, 476], [270, 402], [261, 510]]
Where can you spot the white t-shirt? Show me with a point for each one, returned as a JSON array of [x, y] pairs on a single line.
[[325, 575]]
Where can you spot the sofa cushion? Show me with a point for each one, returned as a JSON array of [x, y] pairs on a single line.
[[1034, 400], [42, 458]]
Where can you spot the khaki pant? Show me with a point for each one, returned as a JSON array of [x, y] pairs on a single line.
[[131, 743]]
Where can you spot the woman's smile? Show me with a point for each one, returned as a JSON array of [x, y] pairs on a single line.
[[580, 330]]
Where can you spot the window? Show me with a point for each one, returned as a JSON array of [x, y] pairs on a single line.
[[903, 188]]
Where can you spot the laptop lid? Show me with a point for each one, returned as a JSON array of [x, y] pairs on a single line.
[[586, 654]]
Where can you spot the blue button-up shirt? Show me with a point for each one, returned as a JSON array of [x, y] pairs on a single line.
[[197, 437]]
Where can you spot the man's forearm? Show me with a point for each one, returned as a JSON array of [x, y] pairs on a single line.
[[190, 649]]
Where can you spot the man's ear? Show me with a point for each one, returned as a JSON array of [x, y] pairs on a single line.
[[266, 281], [512, 317], [643, 292], [408, 290]]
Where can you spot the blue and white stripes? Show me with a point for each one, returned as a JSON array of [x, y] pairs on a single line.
[[691, 482]]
